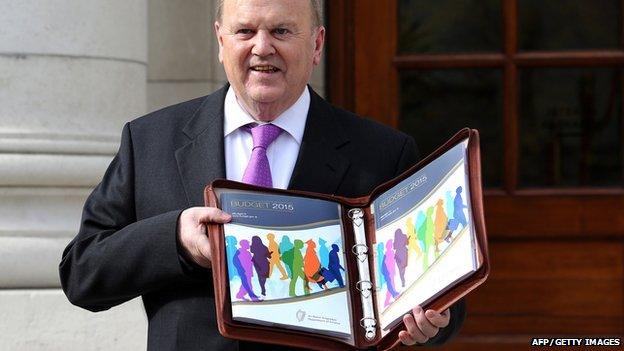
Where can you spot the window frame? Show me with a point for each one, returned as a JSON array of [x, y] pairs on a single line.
[[363, 76]]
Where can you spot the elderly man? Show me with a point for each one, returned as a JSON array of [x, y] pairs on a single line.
[[143, 229]]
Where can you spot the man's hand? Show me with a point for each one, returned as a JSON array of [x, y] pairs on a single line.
[[192, 233], [421, 325]]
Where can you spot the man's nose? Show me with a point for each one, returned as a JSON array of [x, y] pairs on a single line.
[[263, 44]]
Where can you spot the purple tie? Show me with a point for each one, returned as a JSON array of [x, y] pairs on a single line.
[[258, 171]]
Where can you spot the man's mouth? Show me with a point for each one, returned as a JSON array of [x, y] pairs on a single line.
[[265, 68]]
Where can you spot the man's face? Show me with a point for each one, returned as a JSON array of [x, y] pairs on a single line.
[[268, 49]]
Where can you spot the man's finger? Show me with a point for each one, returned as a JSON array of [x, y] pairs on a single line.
[[210, 214], [437, 319], [423, 323], [406, 338], [414, 332], [202, 247]]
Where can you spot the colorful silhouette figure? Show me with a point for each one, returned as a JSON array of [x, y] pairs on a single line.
[[243, 265], [388, 271], [294, 261], [381, 281], [458, 208], [230, 249], [448, 202], [275, 261], [440, 225], [312, 265], [400, 253], [284, 246], [323, 252], [428, 234], [412, 238], [421, 225], [261, 256], [334, 266]]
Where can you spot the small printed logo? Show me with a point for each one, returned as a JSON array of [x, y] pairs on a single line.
[[301, 315]]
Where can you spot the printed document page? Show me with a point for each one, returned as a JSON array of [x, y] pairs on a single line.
[[286, 262], [424, 239]]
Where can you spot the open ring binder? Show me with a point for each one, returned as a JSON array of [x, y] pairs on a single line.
[[399, 223]]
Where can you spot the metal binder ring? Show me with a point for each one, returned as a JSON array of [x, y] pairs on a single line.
[[369, 325], [361, 251], [355, 213], [364, 287], [368, 322]]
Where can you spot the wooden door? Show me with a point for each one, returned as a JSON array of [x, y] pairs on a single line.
[[543, 82]]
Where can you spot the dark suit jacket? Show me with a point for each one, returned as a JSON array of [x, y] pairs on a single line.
[[127, 247]]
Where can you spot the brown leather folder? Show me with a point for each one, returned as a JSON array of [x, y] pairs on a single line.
[[244, 330]]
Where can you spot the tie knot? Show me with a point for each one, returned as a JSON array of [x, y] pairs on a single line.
[[264, 134]]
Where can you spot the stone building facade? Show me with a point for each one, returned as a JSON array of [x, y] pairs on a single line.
[[72, 72]]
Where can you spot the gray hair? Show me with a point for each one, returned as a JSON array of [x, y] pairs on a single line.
[[315, 4]]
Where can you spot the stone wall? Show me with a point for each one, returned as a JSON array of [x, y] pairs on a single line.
[[72, 72]]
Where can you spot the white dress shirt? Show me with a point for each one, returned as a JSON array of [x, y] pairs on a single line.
[[282, 153]]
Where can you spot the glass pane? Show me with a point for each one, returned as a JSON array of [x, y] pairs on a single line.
[[570, 127], [436, 104], [568, 24], [449, 25]]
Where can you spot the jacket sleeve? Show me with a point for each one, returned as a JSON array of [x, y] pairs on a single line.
[[409, 157], [114, 257]]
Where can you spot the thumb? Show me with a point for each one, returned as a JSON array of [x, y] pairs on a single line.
[[211, 215]]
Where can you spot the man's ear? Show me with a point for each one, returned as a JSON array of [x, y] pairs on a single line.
[[319, 42], [217, 27]]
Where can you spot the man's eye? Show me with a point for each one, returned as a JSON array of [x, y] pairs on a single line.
[[244, 31], [280, 31]]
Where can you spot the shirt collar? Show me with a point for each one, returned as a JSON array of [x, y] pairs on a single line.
[[292, 120]]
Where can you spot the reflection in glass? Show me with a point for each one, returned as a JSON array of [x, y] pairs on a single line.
[[570, 127], [436, 104], [568, 24], [449, 25]]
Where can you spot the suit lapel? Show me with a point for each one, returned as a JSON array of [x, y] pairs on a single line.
[[320, 166], [202, 160]]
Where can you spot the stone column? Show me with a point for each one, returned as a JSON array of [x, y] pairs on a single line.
[[182, 52], [71, 73]]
